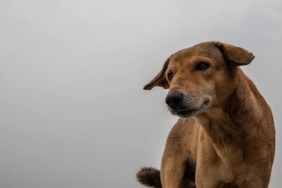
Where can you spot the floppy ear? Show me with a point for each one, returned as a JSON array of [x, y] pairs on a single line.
[[235, 55], [159, 80]]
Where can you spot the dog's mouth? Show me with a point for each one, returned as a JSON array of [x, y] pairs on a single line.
[[184, 113], [190, 111]]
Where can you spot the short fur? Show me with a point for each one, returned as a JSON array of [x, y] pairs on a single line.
[[230, 133], [150, 177]]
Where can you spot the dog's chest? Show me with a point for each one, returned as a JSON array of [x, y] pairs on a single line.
[[235, 174], [231, 164], [226, 174]]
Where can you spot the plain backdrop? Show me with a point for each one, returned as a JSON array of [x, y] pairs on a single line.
[[72, 110]]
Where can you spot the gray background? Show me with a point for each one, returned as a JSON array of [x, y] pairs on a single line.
[[72, 110]]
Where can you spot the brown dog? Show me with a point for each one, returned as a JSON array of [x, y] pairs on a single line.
[[225, 134]]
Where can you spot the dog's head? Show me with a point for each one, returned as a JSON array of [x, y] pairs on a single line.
[[200, 77]]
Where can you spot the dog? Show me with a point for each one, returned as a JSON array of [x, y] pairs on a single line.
[[225, 135]]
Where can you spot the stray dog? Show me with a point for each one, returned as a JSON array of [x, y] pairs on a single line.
[[225, 135]]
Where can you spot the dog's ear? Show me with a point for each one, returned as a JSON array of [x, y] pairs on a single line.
[[236, 56], [160, 79]]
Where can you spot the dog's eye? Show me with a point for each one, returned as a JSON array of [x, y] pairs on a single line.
[[169, 76], [202, 66]]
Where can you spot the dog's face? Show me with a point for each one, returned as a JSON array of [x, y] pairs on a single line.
[[200, 77]]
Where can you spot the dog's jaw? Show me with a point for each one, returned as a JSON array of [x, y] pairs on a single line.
[[189, 111]]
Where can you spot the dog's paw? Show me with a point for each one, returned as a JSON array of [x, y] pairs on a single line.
[[150, 177]]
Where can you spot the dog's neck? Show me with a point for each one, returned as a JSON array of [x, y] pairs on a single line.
[[237, 119]]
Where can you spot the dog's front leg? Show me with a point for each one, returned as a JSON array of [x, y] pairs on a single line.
[[255, 182], [172, 170], [173, 160]]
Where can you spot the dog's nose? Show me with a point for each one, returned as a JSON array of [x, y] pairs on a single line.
[[174, 99]]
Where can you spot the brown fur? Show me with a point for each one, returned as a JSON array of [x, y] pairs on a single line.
[[232, 139], [150, 177]]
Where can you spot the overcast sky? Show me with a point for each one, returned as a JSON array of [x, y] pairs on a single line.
[[72, 110]]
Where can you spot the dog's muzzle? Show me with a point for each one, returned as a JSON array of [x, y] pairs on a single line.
[[184, 106], [174, 99]]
